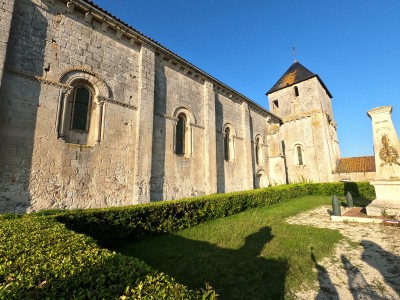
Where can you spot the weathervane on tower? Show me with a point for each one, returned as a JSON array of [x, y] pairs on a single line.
[[294, 53]]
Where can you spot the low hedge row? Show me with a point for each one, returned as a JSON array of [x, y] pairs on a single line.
[[113, 226], [41, 259]]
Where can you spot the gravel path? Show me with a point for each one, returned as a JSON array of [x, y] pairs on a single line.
[[365, 264]]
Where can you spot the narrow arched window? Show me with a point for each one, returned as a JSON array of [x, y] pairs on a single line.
[[226, 143], [80, 111], [296, 91], [299, 155], [180, 135], [257, 150]]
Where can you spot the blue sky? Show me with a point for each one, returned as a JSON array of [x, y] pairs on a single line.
[[354, 46]]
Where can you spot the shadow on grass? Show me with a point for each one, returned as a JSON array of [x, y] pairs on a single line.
[[235, 274]]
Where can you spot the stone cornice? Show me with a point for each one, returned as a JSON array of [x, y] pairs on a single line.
[[197, 126], [55, 83], [170, 118], [379, 110], [300, 116], [116, 102], [38, 78], [235, 136], [166, 117], [80, 69]]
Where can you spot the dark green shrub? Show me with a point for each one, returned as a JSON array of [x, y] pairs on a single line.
[[162, 286], [41, 259], [112, 226], [365, 190]]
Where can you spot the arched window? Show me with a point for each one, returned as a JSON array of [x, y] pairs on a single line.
[[299, 155], [180, 135], [183, 133], [229, 147], [81, 108], [296, 91], [226, 143], [258, 151]]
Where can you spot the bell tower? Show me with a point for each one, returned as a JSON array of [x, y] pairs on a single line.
[[308, 131]]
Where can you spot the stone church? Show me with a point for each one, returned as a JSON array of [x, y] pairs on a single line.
[[94, 113]]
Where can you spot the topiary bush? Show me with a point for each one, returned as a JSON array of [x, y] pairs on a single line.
[[162, 286], [112, 226], [41, 259]]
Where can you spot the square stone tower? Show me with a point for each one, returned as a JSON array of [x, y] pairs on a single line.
[[308, 132]]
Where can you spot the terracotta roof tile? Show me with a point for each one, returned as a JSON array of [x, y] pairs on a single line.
[[356, 164]]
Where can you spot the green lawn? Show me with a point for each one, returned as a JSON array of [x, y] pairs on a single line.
[[251, 255]]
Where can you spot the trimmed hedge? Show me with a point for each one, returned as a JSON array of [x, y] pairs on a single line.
[[41, 259], [112, 226]]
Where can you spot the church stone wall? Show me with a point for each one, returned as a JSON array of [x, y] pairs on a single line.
[[308, 123], [355, 176], [276, 158], [177, 176], [6, 12], [138, 89], [297, 133], [231, 174], [40, 170], [258, 127], [19, 104], [209, 110]]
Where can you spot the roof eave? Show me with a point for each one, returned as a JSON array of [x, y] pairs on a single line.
[[160, 47], [319, 79]]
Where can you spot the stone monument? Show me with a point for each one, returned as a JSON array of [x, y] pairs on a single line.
[[387, 161]]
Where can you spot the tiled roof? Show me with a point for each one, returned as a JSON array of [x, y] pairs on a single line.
[[356, 164], [295, 74]]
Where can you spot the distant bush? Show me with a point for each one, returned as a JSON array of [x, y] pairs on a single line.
[[112, 226], [41, 259]]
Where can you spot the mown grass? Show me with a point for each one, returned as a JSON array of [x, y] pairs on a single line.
[[251, 255]]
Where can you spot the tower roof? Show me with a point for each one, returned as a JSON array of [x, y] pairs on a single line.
[[295, 74]]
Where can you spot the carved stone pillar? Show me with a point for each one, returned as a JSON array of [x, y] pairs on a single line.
[[63, 112], [387, 162], [6, 16], [247, 161], [99, 123], [144, 125], [210, 147]]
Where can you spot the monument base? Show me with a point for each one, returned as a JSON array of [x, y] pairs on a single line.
[[387, 200]]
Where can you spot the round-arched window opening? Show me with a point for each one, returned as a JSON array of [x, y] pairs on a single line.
[[299, 156], [226, 143], [180, 135], [81, 107], [296, 91]]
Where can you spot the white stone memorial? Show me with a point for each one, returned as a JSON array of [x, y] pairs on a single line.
[[387, 161]]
